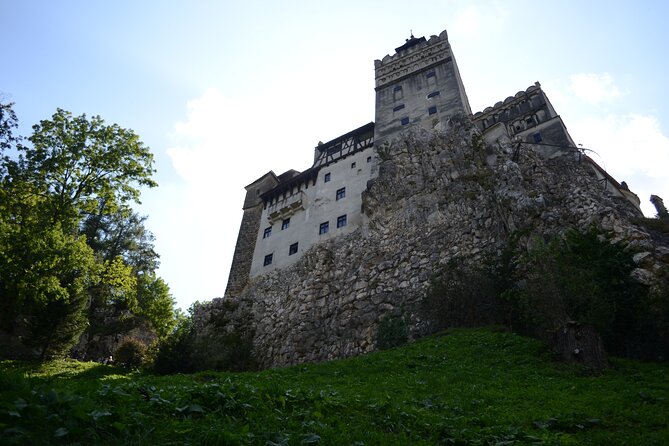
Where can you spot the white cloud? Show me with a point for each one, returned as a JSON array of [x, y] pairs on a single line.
[[594, 88], [472, 20]]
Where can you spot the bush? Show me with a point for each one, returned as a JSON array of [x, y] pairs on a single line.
[[225, 351], [131, 353], [585, 278], [393, 332], [175, 352], [464, 297]]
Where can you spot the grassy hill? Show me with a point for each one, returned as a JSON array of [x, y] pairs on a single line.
[[459, 387]]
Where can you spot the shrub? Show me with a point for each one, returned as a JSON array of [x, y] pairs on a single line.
[[131, 353], [393, 332], [464, 297], [174, 354], [225, 351], [585, 278]]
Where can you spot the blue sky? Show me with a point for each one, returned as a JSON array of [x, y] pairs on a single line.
[[225, 91]]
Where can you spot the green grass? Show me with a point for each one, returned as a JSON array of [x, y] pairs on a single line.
[[461, 387]]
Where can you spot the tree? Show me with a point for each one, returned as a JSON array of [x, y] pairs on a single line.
[[77, 163], [53, 262]]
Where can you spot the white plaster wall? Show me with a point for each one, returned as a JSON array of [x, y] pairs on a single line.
[[320, 205]]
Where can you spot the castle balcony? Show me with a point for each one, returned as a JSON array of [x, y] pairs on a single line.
[[286, 207]]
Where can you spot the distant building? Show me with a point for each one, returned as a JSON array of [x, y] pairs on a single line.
[[420, 84]]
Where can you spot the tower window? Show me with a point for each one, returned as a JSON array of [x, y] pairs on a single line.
[[369, 159], [431, 74], [292, 249], [404, 121], [397, 93], [268, 259], [324, 228], [432, 110], [267, 232], [352, 165], [285, 224], [433, 94], [341, 193], [341, 221], [326, 178], [398, 108], [537, 137]]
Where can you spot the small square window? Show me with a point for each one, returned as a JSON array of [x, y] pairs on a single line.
[[341, 193], [293, 249], [398, 108], [404, 121], [285, 224], [432, 110], [369, 159], [352, 165], [326, 178], [268, 259], [397, 88], [433, 94], [431, 74], [537, 137], [341, 221], [267, 232], [325, 228]]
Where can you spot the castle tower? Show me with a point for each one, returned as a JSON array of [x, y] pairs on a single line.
[[246, 239], [419, 84]]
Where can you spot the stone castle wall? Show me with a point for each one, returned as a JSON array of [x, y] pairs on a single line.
[[438, 198]]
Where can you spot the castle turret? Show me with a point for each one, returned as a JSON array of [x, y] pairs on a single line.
[[419, 84], [248, 230]]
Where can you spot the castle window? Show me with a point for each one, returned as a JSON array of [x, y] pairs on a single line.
[[398, 108], [398, 93], [352, 165], [369, 159], [433, 94], [324, 228], [404, 121], [431, 79], [293, 249], [432, 110], [326, 178], [267, 232], [268, 259], [341, 193], [341, 221], [537, 137], [285, 224]]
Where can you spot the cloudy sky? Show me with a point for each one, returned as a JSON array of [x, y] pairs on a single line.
[[224, 91]]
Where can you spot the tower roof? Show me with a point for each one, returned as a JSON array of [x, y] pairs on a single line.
[[412, 41]]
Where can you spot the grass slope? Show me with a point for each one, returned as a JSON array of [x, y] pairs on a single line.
[[460, 387]]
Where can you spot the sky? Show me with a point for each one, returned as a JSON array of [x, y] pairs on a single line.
[[225, 91]]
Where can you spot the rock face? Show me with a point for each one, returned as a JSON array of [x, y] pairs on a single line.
[[439, 197]]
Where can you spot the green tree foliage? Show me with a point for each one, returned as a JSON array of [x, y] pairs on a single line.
[[76, 161], [68, 242], [585, 278]]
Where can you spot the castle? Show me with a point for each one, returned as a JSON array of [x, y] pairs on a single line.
[[418, 86]]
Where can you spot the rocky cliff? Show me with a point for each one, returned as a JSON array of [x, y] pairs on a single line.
[[442, 196]]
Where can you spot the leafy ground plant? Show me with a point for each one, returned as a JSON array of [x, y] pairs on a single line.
[[457, 387]]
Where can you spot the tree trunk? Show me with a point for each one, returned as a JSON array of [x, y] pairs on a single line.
[[580, 343]]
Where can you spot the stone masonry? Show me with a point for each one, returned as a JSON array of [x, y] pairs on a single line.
[[440, 196]]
